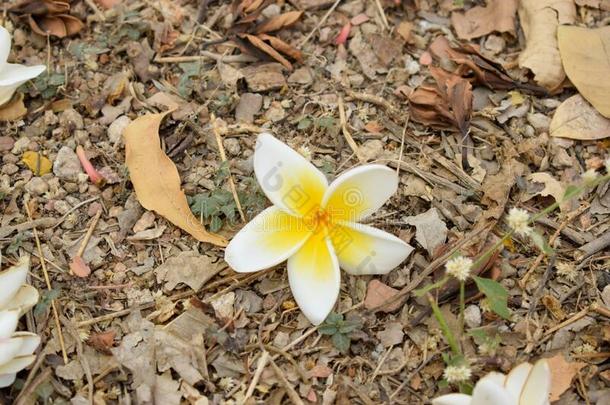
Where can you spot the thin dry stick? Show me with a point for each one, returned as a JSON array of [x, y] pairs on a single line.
[[83, 245], [382, 14], [402, 145], [206, 55], [49, 287], [568, 321], [262, 362], [319, 24], [294, 396], [345, 131], [223, 156]]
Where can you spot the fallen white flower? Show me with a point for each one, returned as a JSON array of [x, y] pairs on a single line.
[[314, 226], [13, 75], [524, 385], [16, 297]]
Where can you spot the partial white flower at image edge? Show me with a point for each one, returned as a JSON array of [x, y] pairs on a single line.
[[526, 384], [16, 298], [314, 226], [13, 75]]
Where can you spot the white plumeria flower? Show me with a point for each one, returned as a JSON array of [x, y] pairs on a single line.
[[314, 226], [524, 385], [12, 75], [16, 297]]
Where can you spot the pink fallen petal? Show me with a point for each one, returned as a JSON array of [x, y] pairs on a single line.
[[342, 37], [425, 59], [95, 176], [79, 268], [359, 19]]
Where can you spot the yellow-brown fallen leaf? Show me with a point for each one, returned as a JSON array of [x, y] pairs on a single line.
[[540, 19], [156, 180], [498, 16], [37, 163], [562, 374], [586, 60], [14, 109], [575, 118]]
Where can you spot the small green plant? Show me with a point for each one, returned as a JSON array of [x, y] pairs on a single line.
[[47, 85], [460, 268], [218, 206], [339, 330], [185, 84]]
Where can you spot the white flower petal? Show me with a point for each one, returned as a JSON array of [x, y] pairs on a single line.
[[7, 380], [515, 380], [13, 75], [287, 178], [362, 249], [496, 377], [313, 273], [5, 46], [537, 386], [452, 399], [12, 279], [17, 364], [29, 343], [487, 392], [9, 348], [359, 192], [269, 239], [8, 323], [25, 298]]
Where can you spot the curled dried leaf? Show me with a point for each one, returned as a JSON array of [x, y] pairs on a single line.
[[278, 22], [156, 180]]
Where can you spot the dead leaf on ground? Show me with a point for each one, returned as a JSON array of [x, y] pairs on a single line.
[[156, 180], [430, 230], [14, 109], [575, 118], [189, 267], [377, 293], [562, 374], [498, 16], [552, 187], [586, 60], [49, 17], [278, 22], [540, 19]]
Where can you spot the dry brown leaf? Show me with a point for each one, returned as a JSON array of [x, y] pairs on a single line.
[[552, 187], [540, 19], [586, 60], [278, 22], [575, 118], [156, 180], [264, 47], [498, 16], [562, 374], [282, 47], [14, 109], [378, 293], [49, 17]]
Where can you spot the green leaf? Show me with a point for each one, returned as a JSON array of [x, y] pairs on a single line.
[[341, 342], [496, 294], [215, 224], [304, 123], [349, 326], [541, 243], [328, 329], [334, 318], [45, 301]]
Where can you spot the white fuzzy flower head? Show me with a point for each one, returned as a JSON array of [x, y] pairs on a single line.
[[589, 176], [566, 270], [457, 374], [518, 220], [459, 267]]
